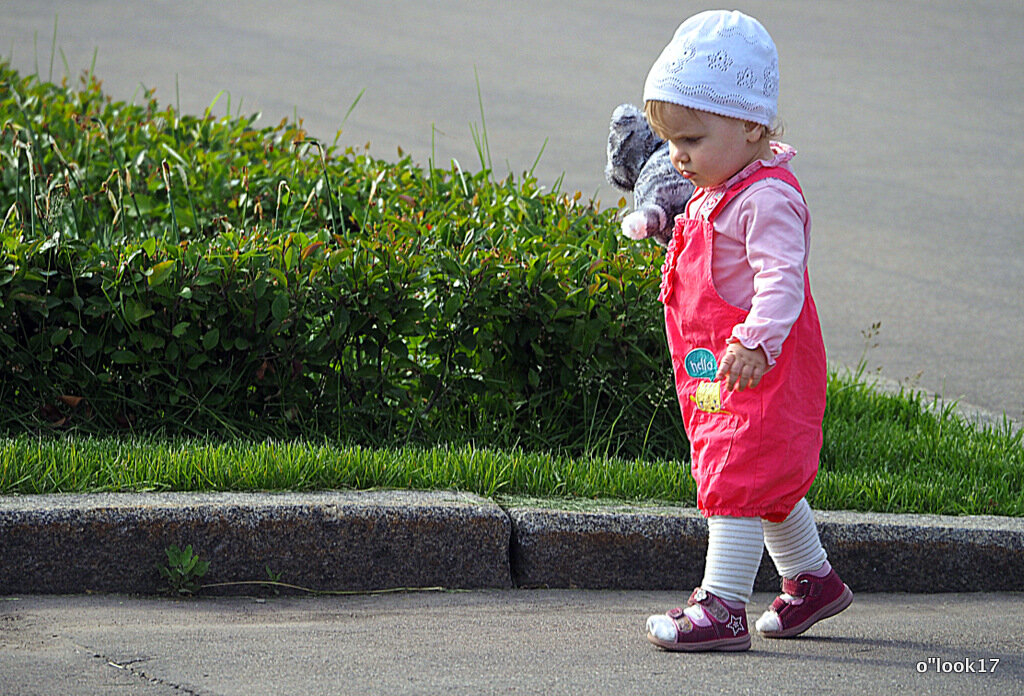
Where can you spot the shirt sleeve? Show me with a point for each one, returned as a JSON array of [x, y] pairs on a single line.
[[776, 225]]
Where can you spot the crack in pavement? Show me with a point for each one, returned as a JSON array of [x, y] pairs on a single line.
[[129, 667]]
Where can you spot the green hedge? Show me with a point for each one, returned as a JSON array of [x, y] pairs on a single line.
[[169, 273]]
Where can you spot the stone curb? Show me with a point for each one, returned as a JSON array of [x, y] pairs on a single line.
[[663, 548], [359, 541], [69, 544]]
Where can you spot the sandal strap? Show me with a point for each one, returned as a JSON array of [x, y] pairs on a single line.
[[711, 605], [802, 587], [680, 619]]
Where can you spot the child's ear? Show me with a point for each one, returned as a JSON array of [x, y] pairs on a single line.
[[754, 131]]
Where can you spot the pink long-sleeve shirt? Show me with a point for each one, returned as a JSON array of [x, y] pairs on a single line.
[[761, 246]]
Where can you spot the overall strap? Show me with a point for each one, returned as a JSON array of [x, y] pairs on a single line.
[[761, 174]]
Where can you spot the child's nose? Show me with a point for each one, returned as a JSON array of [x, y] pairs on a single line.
[[677, 156]]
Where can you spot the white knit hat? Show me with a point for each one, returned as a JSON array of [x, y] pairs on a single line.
[[722, 62]]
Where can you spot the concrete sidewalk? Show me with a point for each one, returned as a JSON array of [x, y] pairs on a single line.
[[372, 540], [493, 642]]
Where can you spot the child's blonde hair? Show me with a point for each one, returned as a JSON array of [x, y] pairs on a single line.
[[655, 110]]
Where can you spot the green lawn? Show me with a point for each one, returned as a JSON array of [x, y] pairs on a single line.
[[883, 452]]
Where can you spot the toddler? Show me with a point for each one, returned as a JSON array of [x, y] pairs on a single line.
[[743, 332]]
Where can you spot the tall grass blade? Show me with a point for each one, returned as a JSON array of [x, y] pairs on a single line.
[[482, 139], [53, 47]]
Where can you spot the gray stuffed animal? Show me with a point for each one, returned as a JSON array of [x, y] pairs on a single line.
[[638, 161]]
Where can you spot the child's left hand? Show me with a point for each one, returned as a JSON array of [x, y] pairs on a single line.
[[741, 367]]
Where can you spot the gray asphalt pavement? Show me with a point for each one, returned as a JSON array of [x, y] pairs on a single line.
[[904, 113], [493, 642]]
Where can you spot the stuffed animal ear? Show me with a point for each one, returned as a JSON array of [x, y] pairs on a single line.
[[630, 142]]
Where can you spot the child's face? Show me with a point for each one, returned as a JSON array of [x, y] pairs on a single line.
[[708, 149]]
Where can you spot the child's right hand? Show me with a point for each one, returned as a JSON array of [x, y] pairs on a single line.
[[741, 367]]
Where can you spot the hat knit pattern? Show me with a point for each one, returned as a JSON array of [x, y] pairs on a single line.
[[722, 62]]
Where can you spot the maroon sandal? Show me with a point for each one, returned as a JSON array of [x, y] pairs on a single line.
[[813, 599], [727, 631]]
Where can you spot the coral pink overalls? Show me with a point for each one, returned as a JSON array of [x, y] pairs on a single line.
[[754, 452]]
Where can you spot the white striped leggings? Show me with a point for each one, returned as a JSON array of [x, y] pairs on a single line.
[[735, 545]]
